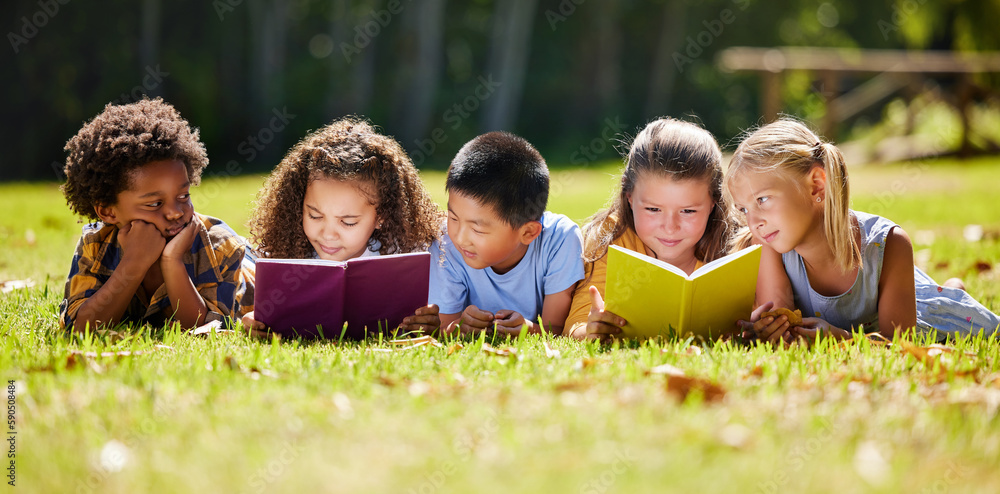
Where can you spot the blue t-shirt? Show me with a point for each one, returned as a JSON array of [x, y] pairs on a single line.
[[552, 263]]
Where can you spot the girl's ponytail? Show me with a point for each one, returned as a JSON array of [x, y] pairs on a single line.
[[787, 146], [836, 214]]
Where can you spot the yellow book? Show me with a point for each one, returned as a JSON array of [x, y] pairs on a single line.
[[657, 298]]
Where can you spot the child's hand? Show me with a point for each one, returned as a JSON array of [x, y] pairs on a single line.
[[770, 328], [181, 243], [474, 319], [601, 324], [424, 319], [254, 327], [813, 326], [141, 242], [509, 322]]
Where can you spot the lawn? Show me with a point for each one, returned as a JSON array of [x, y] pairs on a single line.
[[230, 414]]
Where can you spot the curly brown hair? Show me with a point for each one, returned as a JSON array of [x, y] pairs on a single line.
[[349, 149], [120, 139]]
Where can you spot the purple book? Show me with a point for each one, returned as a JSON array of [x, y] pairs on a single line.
[[313, 297]]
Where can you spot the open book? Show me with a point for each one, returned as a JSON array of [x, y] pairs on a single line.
[[657, 298], [313, 297]]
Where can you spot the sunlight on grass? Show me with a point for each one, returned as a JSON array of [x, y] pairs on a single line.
[[229, 414]]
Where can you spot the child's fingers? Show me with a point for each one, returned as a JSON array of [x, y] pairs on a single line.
[[596, 301], [606, 317], [598, 327], [774, 330], [431, 309], [503, 314], [766, 306]]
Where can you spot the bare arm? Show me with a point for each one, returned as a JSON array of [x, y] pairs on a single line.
[[897, 300], [188, 306], [772, 281], [141, 246]]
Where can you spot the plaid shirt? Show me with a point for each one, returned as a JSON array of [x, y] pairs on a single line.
[[221, 264]]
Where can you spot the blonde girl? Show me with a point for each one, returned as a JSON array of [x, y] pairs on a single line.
[[844, 269]]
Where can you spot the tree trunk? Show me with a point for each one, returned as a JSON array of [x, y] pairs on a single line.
[[664, 71], [508, 62], [149, 46], [415, 96]]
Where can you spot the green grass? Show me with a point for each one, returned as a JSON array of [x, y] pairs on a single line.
[[229, 414]]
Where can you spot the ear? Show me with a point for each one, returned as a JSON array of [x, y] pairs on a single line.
[[816, 182], [107, 214], [530, 231]]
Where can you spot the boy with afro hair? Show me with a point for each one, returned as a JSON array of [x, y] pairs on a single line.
[[149, 257], [505, 262]]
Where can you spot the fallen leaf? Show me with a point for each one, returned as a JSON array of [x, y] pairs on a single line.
[[757, 371], [499, 352], [9, 286], [692, 350], [682, 386], [231, 362], [939, 355], [572, 386], [264, 372], [665, 369], [983, 266], [549, 352], [587, 362], [454, 347]]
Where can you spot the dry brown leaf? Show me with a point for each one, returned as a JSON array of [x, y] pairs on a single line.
[[231, 362], [665, 369], [587, 362], [499, 352], [682, 386], [264, 372], [983, 266], [572, 386], [551, 353], [10, 286], [454, 347], [794, 316], [757, 371]]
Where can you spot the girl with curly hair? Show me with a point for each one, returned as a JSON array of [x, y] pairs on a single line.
[[346, 191]]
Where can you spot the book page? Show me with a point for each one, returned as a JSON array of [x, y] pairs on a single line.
[[647, 295], [716, 264], [722, 295]]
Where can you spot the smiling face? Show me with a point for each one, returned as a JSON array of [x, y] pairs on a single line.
[[483, 239], [158, 193], [671, 216], [338, 218], [780, 211]]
